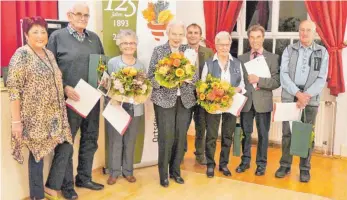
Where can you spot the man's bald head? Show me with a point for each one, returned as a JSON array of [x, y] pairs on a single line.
[[307, 30]]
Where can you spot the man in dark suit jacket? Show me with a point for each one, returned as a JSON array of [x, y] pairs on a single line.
[[259, 103], [194, 33]]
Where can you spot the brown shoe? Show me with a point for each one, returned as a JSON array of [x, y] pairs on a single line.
[[112, 180], [130, 179]]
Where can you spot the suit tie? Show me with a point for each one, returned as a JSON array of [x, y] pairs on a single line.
[[255, 54]]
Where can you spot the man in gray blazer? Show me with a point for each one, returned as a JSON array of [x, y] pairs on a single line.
[[259, 102]]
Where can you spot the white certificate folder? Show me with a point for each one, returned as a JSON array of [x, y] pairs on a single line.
[[117, 117], [258, 67], [286, 112], [236, 107], [89, 96]]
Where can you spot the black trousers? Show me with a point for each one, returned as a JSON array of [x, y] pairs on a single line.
[[88, 145], [286, 159], [228, 129], [173, 124], [56, 173], [263, 121], [200, 130]]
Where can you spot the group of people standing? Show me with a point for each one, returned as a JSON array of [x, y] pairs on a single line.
[[41, 78]]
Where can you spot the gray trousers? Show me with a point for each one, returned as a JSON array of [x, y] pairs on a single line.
[[263, 121], [228, 129], [88, 145], [173, 124], [286, 159], [200, 130], [121, 148]]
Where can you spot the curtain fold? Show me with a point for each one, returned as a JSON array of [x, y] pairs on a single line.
[[220, 16], [330, 18], [11, 13]]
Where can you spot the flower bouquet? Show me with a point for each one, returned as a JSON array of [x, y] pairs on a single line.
[[130, 85], [173, 70], [214, 95], [102, 67]]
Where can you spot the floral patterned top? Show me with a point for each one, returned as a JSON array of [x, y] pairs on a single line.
[[37, 83]]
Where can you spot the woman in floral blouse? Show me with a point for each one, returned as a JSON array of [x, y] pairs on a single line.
[[39, 119]]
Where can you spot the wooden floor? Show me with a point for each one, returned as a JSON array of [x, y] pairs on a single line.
[[328, 179]]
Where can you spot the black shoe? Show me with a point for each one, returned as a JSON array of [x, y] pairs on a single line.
[[90, 185], [305, 176], [242, 168], [260, 171], [225, 171], [178, 179], [282, 172], [165, 183], [210, 172], [69, 194]]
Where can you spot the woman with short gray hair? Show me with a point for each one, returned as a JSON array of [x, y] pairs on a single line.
[[227, 68], [121, 147]]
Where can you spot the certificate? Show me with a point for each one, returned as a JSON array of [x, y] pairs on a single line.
[[286, 112], [239, 101], [258, 67], [117, 117], [89, 96]]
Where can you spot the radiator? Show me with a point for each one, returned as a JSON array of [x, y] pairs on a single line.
[[324, 128]]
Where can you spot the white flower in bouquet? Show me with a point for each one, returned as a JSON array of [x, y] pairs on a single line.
[[144, 89], [117, 84], [121, 90]]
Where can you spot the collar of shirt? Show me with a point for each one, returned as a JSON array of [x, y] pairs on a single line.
[[174, 50], [215, 57], [75, 34], [309, 47], [260, 51]]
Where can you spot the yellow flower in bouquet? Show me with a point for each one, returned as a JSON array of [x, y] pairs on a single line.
[[130, 85], [214, 95], [173, 69], [101, 68]]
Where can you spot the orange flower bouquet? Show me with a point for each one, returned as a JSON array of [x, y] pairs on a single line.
[[130, 85], [214, 95], [173, 70]]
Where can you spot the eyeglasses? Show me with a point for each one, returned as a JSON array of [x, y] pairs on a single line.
[[80, 15], [223, 45], [302, 30], [128, 44]]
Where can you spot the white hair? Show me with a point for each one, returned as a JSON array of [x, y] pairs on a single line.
[[125, 33], [223, 35], [175, 23], [77, 4]]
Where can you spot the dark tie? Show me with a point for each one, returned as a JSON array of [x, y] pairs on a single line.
[[255, 54]]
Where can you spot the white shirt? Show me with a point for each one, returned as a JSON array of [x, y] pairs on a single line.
[[225, 73]]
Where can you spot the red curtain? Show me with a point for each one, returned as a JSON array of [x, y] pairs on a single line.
[[11, 13], [220, 16], [330, 18]]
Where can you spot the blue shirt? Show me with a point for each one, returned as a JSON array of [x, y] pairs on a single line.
[[302, 72], [115, 64]]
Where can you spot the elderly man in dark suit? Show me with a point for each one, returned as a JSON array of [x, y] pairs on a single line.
[[194, 37], [172, 108], [259, 102]]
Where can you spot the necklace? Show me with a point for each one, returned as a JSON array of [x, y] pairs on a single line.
[[134, 61]]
